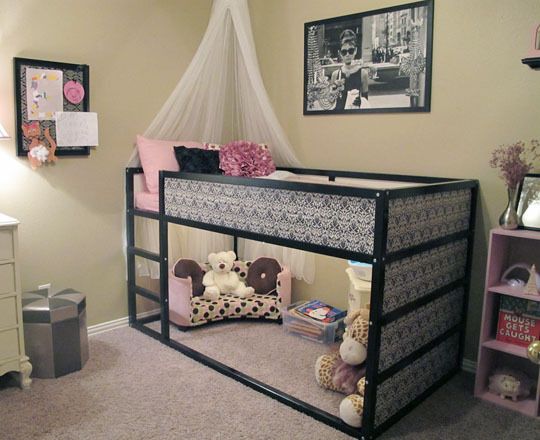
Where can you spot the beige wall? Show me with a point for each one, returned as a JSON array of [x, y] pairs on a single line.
[[482, 96], [71, 213]]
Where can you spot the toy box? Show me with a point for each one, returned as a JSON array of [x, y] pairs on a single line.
[[309, 328]]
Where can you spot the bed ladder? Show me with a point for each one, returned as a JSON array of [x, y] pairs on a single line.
[[133, 251]]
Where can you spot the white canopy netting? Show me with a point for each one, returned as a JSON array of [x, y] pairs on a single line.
[[221, 97]]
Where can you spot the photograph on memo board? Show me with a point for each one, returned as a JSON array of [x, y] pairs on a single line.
[[42, 89]]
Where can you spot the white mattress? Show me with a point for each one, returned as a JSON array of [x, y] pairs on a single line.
[[341, 181]]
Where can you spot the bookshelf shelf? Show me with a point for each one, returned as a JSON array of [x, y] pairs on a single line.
[[516, 292], [505, 347], [506, 248]]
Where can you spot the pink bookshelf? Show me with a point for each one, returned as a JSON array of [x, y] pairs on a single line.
[[505, 249]]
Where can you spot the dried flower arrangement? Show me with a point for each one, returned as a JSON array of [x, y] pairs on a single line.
[[514, 161]]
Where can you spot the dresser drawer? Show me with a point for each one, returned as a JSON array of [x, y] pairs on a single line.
[[8, 312], [9, 343], [6, 245], [7, 278]]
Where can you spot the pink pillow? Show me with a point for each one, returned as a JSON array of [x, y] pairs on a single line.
[[159, 155]]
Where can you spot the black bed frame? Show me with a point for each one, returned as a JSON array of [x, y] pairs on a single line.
[[380, 258]]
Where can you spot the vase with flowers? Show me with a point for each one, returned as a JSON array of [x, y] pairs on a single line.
[[514, 161]]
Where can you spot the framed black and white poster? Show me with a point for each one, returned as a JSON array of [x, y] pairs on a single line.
[[370, 62], [44, 89]]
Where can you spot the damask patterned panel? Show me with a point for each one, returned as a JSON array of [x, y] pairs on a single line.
[[416, 220], [340, 222], [413, 277], [410, 382], [407, 334]]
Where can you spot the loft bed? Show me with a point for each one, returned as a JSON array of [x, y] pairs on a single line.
[[417, 232]]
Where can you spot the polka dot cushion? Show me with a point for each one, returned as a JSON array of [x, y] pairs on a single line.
[[230, 306]]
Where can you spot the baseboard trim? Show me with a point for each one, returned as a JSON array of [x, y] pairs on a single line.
[[116, 323], [468, 366]]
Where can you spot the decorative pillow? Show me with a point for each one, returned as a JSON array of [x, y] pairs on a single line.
[[188, 268], [158, 155], [262, 275], [197, 160], [247, 159], [241, 268]]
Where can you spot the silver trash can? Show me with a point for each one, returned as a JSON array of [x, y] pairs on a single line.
[[55, 333]]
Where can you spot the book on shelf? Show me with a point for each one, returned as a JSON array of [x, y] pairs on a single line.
[[519, 321], [320, 311]]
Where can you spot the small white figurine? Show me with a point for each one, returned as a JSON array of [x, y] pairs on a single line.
[[531, 288], [507, 382]]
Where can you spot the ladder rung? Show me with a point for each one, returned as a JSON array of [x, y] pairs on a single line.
[[144, 253], [148, 294]]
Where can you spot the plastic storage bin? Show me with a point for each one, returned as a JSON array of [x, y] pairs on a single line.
[[359, 291], [326, 333], [361, 270]]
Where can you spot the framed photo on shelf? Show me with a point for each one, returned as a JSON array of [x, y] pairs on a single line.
[[43, 88], [370, 62], [528, 203]]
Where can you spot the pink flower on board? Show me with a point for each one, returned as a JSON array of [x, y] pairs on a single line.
[[514, 161], [246, 159]]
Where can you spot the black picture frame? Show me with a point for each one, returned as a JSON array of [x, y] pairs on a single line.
[[528, 192], [392, 63], [70, 72]]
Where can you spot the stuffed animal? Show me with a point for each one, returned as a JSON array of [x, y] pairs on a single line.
[[353, 349], [332, 373], [351, 408], [507, 382], [38, 153], [344, 371], [222, 279], [340, 371]]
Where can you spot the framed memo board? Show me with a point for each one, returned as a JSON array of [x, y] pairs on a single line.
[[43, 88]]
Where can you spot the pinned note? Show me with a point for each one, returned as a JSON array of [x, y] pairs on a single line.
[[76, 129]]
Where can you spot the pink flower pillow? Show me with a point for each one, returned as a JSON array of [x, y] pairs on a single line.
[[247, 159], [159, 155]]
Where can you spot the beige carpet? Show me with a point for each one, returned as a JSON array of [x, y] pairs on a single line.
[[133, 387], [264, 351]]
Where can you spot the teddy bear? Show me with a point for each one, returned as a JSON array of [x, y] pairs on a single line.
[[343, 371], [222, 279]]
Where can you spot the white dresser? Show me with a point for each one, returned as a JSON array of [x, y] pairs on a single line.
[[12, 355]]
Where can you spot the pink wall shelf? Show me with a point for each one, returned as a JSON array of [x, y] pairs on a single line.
[[506, 247]]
